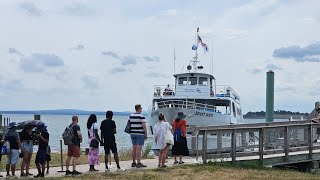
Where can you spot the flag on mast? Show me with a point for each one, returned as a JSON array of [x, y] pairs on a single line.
[[204, 45]]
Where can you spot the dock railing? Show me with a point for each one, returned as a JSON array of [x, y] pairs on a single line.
[[270, 143]]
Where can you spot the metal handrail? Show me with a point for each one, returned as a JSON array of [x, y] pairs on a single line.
[[217, 91], [184, 104]]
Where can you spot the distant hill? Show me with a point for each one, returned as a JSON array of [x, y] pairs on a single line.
[[279, 114], [66, 112]]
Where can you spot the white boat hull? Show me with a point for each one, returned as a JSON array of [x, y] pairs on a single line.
[[194, 117]]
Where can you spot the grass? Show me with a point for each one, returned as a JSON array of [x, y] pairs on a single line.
[[204, 171]]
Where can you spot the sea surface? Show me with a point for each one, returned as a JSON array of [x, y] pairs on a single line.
[[57, 123]]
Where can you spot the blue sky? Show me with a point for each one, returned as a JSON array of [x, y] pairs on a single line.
[[98, 55]]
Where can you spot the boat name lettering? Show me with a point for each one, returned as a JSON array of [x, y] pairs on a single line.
[[203, 114], [189, 90]]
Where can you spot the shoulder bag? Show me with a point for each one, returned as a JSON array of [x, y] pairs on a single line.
[[128, 127], [168, 137]]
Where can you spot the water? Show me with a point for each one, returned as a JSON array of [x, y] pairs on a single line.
[[57, 123]]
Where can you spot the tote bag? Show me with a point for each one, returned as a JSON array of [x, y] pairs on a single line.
[[168, 137]]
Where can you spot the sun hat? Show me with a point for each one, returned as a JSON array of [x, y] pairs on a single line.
[[180, 115], [12, 125]]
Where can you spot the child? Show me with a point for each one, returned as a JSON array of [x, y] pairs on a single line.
[[48, 158]]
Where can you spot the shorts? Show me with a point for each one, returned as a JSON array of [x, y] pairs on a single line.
[[13, 158], [110, 146], [28, 147], [41, 156], [73, 151], [137, 139], [48, 157]]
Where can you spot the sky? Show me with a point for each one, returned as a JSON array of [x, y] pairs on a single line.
[[100, 54]]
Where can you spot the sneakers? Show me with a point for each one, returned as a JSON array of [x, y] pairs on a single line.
[[176, 162], [76, 173], [120, 169], [68, 173], [181, 162], [40, 175], [133, 164], [140, 165]]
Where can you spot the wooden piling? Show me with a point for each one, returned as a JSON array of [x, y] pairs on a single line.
[[204, 147], [261, 137], [37, 117]]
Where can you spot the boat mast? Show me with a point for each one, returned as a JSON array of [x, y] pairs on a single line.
[[195, 60], [174, 58]]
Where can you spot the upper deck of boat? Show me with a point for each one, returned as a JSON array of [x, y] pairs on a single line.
[[194, 86]]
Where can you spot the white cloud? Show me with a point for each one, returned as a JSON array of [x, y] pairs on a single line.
[[244, 35]]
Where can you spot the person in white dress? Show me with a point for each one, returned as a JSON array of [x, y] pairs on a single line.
[[159, 130]]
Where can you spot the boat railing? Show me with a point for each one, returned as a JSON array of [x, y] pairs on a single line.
[[163, 90], [216, 91], [186, 104], [225, 91]]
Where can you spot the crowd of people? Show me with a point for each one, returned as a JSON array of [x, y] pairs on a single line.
[[21, 144]]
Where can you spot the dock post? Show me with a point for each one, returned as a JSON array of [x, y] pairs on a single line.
[[286, 144], [193, 143], [310, 141], [261, 136], [8, 121], [61, 156], [233, 147], [0, 120], [197, 152], [270, 96], [204, 147], [37, 117], [219, 142]]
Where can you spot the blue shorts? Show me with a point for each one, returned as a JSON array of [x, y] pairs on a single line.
[[28, 147], [137, 139], [13, 158]]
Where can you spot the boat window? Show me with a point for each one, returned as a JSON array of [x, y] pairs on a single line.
[[182, 80], [203, 81], [233, 109], [192, 81]]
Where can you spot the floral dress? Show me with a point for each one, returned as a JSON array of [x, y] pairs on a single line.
[[93, 156]]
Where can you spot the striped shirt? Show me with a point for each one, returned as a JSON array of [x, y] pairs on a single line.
[[136, 121]]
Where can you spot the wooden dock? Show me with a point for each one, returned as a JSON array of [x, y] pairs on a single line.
[[271, 144]]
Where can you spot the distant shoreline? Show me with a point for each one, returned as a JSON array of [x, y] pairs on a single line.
[[66, 112]]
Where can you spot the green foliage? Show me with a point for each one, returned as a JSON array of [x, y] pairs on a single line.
[[146, 150]]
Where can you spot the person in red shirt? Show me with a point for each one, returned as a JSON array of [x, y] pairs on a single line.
[[180, 147]]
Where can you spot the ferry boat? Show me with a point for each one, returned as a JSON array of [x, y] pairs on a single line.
[[198, 96]]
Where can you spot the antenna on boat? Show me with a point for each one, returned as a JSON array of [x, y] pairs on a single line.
[[211, 62], [174, 58]]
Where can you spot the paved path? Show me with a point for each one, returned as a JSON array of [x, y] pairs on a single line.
[[151, 164]]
